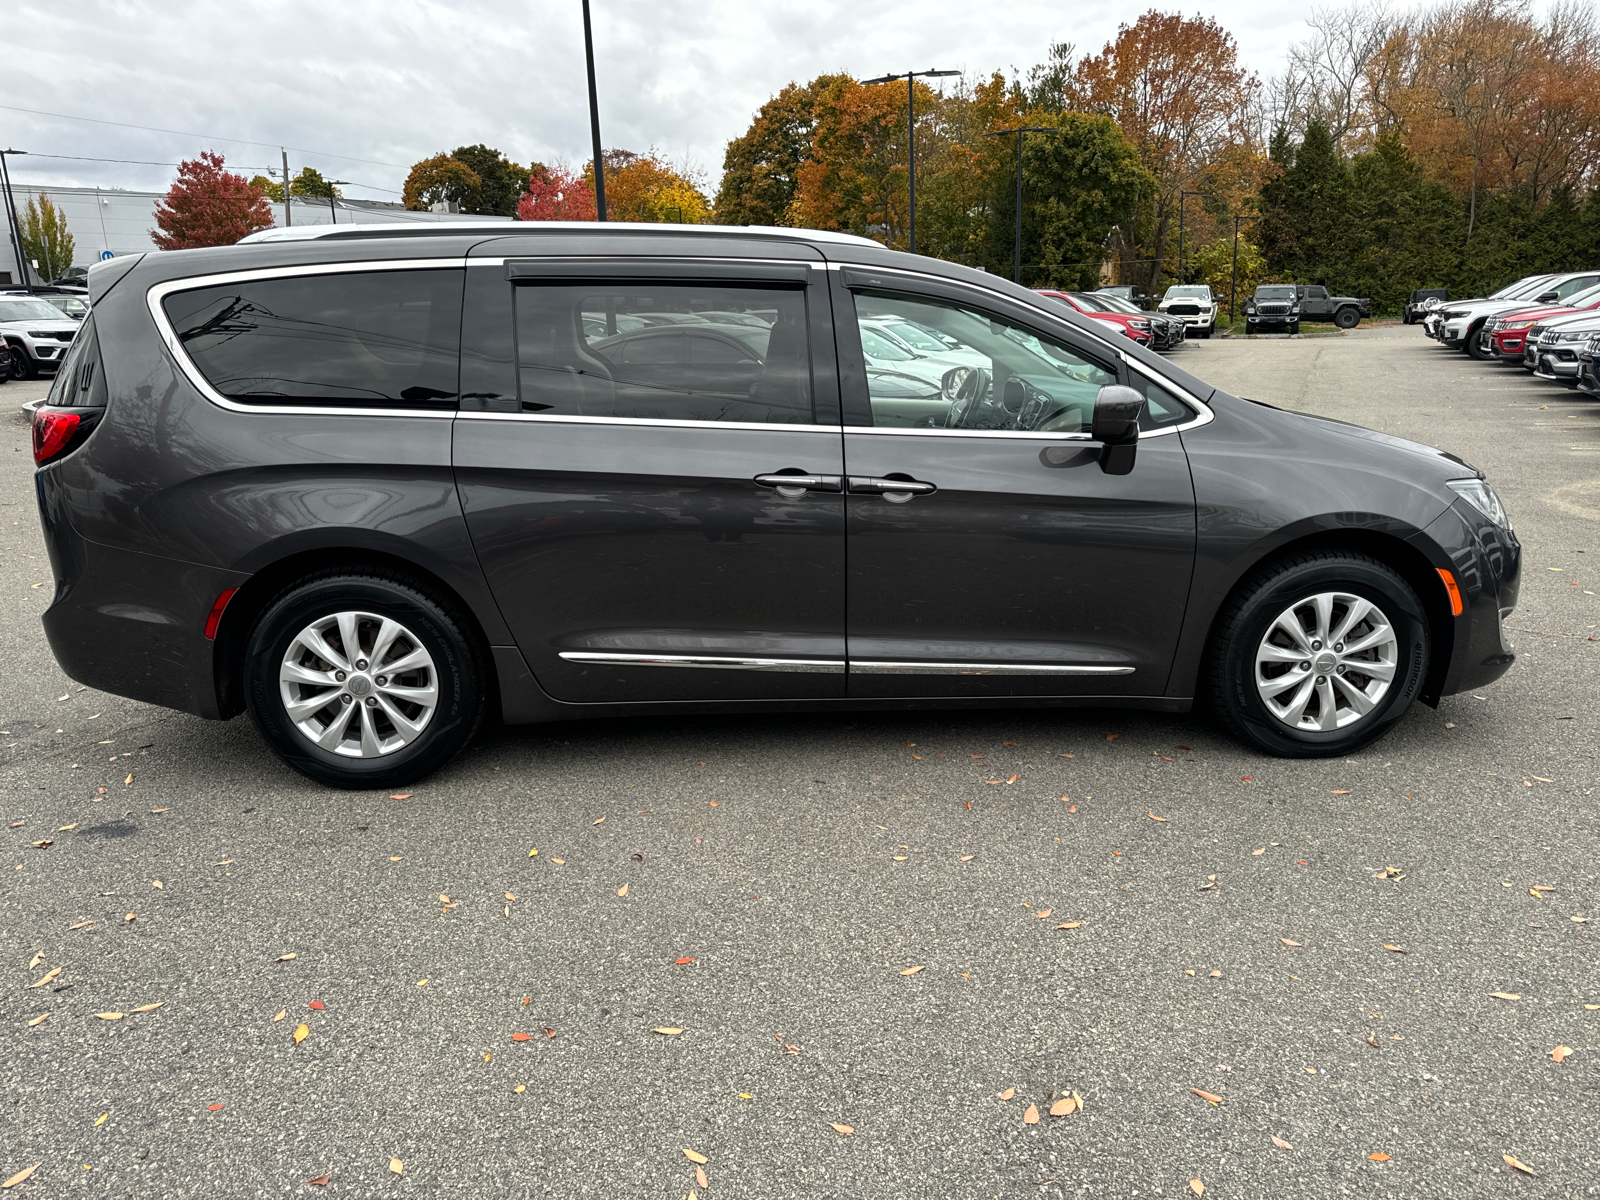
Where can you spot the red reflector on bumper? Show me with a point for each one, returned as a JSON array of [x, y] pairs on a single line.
[[215, 618]]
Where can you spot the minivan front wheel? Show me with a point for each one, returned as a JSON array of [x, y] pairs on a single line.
[[1319, 655], [364, 680]]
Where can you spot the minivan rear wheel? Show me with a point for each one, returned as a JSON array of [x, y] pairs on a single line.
[[1318, 655], [364, 679]]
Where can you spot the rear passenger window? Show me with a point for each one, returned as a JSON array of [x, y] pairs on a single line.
[[78, 382], [670, 351], [365, 339]]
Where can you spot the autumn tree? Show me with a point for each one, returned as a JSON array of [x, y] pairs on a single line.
[[45, 238], [500, 181], [761, 167], [556, 194], [309, 182], [439, 179], [1175, 87], [209, 206], [647, 188]]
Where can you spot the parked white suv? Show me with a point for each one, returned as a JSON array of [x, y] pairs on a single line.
[[36, 331], [1194, 303]]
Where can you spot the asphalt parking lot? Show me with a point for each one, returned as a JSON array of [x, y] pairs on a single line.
[[882, 952]]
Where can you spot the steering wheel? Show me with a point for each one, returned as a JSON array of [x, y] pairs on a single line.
[[965, 388]]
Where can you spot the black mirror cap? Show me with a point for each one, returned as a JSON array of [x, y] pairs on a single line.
[[1549, 297], [1116, 427]]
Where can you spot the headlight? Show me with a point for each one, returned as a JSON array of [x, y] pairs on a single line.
[[1139, 324], [1481, 496]]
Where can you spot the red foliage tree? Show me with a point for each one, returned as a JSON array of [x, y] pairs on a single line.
[[208, 206], [556, 194]]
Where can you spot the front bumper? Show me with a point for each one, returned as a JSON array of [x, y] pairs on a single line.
[[1486, 561], [1202, 320], [1553, 361]]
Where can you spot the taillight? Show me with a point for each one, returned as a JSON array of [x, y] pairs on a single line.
[[53, 433]]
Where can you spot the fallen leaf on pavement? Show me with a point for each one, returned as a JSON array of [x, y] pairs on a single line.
[[520, 1088], [623, 890], [301, 1033], [1215, 975], [695, 1158], [1208, 1097], [46, 979], [1153, 817], [67, 828], [511, 895], [1287, 942], [81, 925], [598, 820], [315, 1006], [213, 1108], [1008, 1093], [679, 962], [1506, 995], [668, 1030], [398, 1167], [700, 1177], [522, 1037], [1378, 1156], [1340, 792], [1031, 1116], [42, 845], [39, 1020], [966, 858], [282, 1013], [1280, 1143], [1043, 913], [1198, 1188], [1517, 1164], [20, 1177], [548, 1032], [1396, 949], [1373, 1042], [319, 1181], [1561, 1053], [846, 1130], [401, 796], [1257, 853], [287, 957], [109, 1016], [148, 1007], [1063, 1107], [1069, 925], [912, 970], [36, 960]]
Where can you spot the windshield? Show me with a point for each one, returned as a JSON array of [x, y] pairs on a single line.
[[1586, 297], [1515, 291], [1114, 303], [1188, 291], [1092, 303], [875, 345], [28, 310], [1275, 293]]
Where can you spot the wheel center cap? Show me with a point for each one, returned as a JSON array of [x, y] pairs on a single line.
[[360, 685], [1325, 662]]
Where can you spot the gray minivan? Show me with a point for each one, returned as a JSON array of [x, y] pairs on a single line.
[[376, 484]]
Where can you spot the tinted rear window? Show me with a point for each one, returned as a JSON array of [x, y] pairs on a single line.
[[365, 339]]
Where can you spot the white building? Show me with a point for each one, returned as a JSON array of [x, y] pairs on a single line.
[[106, 222]]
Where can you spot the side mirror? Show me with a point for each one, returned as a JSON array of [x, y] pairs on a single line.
[[1116, 427], [1549, 297]]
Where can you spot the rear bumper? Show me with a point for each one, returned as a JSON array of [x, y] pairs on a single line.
[[149, 644]]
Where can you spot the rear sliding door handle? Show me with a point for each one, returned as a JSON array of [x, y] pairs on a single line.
[[896, 491], [792, 487]]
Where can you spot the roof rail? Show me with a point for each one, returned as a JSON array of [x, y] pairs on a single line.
[[388, 229]]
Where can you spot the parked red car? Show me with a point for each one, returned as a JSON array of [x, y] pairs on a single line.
[[1137, 328], [1507, 333]]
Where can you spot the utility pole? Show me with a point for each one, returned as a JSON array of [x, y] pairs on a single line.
[[594, 119], [911, 132], [13, 226], [288, 217], [1017, 265], [1233, 288]]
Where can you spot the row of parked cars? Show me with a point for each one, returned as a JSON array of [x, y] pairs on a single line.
[[36, 327], [1547, 324]]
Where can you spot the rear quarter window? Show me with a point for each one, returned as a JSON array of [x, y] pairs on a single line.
[[359, 339]]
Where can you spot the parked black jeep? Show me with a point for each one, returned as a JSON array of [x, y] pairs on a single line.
[[1282, 306], [1422, 302]]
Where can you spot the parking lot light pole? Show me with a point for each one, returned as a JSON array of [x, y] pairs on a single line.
[[13, 227], [1016, 269], [1181, 197], [911, 130], [594, 119], [1233, 287], [333, 213]]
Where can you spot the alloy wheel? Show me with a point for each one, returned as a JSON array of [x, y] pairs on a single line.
[[1326, 662], [358, 684]]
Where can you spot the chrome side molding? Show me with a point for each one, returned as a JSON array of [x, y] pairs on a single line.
[[725, 663]]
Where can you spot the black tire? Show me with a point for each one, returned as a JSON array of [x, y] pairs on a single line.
[[1292, 329], [22, 365], [1250, 614], [1347, 318], [1470, 344], [459, 673]]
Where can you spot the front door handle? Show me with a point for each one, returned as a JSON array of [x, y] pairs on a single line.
[[896, 491], [792, 487]]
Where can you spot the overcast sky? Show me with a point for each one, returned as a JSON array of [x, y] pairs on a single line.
[[343, 81]]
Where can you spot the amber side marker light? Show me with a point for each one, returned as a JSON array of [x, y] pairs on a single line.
[[1449, 586], [215, 618]]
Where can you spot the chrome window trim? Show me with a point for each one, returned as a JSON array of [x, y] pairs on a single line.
[[1013, 434], [897, 667], [668, 422], [821, 666], [160, 291], [695, 260]]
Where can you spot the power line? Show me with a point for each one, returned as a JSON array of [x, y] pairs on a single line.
[[204, 136]]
